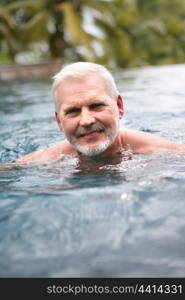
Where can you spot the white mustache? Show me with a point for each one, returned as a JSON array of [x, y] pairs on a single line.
[[83, 131]]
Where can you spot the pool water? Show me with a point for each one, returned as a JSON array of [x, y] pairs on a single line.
[[114, 219]]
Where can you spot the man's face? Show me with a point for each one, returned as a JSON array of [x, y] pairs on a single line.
[[87, 114]]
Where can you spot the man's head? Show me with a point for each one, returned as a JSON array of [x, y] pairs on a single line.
[[88, 106]]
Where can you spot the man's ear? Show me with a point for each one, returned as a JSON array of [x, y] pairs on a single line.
[[120, 106], [58, 121]]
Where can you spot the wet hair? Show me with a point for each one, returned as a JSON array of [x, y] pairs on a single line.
[[80, 69]]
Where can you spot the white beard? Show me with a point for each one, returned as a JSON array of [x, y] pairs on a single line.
[[89, 151], [100, 148]]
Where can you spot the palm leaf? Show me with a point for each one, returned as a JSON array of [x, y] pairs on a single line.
[[33, 4], [73, 26], [6, 17], [9, 40], [36, 28]]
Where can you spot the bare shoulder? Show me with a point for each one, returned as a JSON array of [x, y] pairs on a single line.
[[143, 142], [52, 153]]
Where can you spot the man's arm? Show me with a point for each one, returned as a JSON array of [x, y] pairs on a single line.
[[37, 156], [145, 143], [8, 166], [50, 154]]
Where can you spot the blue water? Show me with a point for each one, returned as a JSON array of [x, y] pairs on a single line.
[[124, 219]]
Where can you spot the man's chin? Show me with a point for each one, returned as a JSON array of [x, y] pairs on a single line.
[[92, 151]]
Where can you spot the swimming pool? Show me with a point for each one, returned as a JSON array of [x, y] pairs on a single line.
[[113, 220]]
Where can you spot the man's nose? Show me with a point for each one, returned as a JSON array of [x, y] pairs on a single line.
[[86, 118]]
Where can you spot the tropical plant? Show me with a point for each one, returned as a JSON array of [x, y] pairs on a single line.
[[60, 23], [157, 33], [122, 33], [7, 25]]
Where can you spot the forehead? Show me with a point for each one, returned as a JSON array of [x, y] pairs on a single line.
[[88, 87]]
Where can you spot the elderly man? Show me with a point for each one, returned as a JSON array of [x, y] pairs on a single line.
[[88, 108]]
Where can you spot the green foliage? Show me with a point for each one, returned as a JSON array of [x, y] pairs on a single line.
[[159, 32], [132, 32]]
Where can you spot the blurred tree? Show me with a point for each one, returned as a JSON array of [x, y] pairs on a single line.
[[58, 22], [117, 44], [122, 33], [7, 25], [158, 35]]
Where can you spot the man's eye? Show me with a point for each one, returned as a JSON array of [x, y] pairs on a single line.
[[96, 105], [72, 111]]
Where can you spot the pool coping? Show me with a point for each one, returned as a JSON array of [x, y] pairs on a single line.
[[26, 71]]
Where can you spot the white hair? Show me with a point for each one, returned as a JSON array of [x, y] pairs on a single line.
[[80, 69]]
